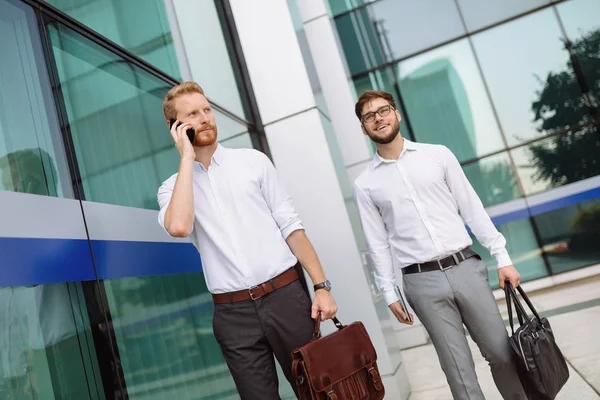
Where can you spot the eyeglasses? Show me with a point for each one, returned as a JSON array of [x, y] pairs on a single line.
[[382, 111]]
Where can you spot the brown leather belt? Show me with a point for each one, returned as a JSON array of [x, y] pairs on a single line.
[[258, 291], [442, 264]]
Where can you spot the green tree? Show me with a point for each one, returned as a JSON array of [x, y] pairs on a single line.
[[567, 103]]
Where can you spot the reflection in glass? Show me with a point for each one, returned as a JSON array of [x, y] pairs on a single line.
[[32, 157], [41, 355], [208, 53], [570, 235], [446, 101], [115, 113], [339, 6], [580, 20], [359, 39], [518, 59], [163, 328], [558, 161], [478, 14], [140, 26], [242, 141], [523, 249], [493, 179], [389, 29]]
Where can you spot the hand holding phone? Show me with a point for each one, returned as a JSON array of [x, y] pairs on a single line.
[[400, 308], [186, 150], [190, 132]]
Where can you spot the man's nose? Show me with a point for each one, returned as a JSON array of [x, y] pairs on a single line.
[[204, 118]]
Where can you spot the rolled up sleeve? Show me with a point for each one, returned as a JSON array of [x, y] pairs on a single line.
[[377, 242], [279, 201], [165, 192]]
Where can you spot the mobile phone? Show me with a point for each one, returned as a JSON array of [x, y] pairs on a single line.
[[190, 132], [403, 303]]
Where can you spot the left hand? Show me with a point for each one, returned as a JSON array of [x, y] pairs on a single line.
[[324, 303], [509, 273]]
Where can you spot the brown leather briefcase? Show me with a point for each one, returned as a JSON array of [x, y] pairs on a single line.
[[339, 366]]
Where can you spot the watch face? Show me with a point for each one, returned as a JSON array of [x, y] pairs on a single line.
[[328, 285]]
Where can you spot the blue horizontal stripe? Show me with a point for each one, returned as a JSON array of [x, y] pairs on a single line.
[[121, 259], [510, 217], [28, 261], [565, 201]]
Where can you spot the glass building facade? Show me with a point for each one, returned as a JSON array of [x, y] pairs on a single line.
[[512, 88], [96, 302], [81, 127]]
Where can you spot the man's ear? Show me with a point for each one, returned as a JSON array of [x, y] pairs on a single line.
[[362, 126], [398, 115]]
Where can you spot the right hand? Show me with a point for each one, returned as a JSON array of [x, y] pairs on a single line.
[[182, 143], [398, 311]]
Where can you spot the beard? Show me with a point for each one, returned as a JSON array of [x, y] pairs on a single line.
[[206, 138], [395, 130]]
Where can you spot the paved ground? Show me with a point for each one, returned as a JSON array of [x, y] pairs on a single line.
[[573, 311]]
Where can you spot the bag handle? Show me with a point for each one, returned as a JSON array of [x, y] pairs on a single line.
[[508, 294], [520, 310], [529, 304], [315, 334]]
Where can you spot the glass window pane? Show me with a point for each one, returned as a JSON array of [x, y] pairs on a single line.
[[242, 141], [447, 103], [478, 14], [493, 179], [123, 146], [570, 235], [359, 39], [388, 30], [140, 26], [579, 17], [208, 53], [42, 335], [523, 249], [163, 328], [524, 63], [32, 157], [339, 6], [558, 161]]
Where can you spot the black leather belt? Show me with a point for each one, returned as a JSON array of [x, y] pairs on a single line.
[[443, 263]]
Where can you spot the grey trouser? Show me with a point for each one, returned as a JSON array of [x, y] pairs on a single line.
[[250, 332], [443, 301]]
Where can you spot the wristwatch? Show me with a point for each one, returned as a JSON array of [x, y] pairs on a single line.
[[323, 285]]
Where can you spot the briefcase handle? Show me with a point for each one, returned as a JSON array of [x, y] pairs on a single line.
[[315, 334], [519, 309]]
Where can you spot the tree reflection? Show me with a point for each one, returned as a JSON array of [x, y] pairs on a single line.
[[567, 106]]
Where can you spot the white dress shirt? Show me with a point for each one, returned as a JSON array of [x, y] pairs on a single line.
[[409, 210], [242, 217]]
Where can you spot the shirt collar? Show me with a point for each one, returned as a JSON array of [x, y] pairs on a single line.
[[408, 146], [219, 154]]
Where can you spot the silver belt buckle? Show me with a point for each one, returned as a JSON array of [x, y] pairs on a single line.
[[442, 267], [252, 294]]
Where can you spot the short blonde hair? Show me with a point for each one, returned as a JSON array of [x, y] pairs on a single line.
[[174, 93]]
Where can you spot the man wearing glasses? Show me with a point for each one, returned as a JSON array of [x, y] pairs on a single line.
[[409, 200]]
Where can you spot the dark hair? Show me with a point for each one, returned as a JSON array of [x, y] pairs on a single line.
[[369, 95]]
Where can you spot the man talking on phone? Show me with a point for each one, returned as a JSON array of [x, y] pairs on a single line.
[[409, 200], [234, 208]]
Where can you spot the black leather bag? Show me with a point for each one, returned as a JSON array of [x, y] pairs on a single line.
[[540, 364]]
